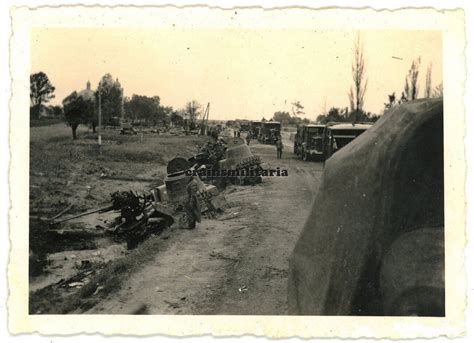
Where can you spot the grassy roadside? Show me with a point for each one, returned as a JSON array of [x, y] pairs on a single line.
[[66, 172], [56, 300]]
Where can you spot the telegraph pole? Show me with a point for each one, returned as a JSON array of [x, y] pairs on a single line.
[[100, 114]]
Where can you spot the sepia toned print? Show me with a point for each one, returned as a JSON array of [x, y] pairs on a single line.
[[266, 169]]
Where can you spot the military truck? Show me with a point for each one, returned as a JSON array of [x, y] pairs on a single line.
[[269, 132], [254, 130], [309, 141], [244, 125], [337, 135], [128, 129]]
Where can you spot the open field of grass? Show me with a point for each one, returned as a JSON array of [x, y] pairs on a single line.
[[77, 170]]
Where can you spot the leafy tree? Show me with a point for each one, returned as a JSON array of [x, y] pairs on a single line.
[[282, 116], [192, 110], [297, 120], [41, 92], [77, 110], [167, 110], [142, 107], [57, 111], [146, 109], [334, 114], [111, 99], [342, 115], [176, 119], [358, 89]]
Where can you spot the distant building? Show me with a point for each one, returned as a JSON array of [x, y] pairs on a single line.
[[87, 93]]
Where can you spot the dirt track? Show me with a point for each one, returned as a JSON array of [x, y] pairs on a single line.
[[237, 264]]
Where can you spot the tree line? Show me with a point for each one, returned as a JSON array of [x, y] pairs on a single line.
[[411, 89], [358, 89], [297, 110], [82, 108]]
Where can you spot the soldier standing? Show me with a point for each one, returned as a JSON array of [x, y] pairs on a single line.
[[192, 206], [247, 138], [279, 146]]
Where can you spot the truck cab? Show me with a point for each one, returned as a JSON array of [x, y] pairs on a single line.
[[311, 145], [269, 132]]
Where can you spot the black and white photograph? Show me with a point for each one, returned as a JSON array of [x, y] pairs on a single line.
[[246, 167]]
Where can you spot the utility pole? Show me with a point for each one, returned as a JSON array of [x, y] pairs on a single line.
[[100, 114], [205, 119], [122, 109]]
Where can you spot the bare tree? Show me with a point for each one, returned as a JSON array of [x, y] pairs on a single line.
[[428, 81], [411, 80], [357, 91]]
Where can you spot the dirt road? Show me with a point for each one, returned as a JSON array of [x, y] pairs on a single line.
[[236, 264]]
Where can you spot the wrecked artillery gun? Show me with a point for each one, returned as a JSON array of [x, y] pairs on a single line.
[[170, 196], [238, 157], [234, 157], [133, 217]]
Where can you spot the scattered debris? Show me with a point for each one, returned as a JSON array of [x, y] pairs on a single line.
[[97, 290], [243, 289], [62, 212], [230, 216]]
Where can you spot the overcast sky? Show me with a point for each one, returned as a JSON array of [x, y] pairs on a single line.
[[243, 73]]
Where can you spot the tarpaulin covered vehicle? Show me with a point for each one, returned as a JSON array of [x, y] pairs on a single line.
[[373, 243], [337, 135]]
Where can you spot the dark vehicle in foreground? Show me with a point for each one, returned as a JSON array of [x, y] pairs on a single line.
[[373, 243], [309, 142], [269, 132]]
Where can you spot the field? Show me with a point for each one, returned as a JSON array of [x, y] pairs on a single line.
[[235, 263], [78, 175], [64, 171]]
